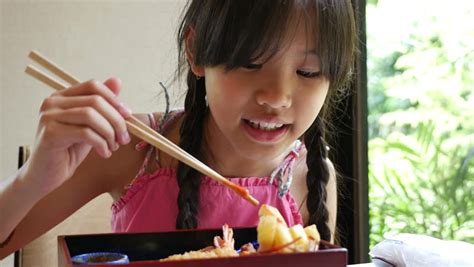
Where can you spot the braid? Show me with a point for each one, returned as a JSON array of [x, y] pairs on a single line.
[[190, 140], [317, 177]]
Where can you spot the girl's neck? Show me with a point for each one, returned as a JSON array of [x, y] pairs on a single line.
[[221, 156]]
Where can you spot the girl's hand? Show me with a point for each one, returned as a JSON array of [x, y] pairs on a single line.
[[72, 122]]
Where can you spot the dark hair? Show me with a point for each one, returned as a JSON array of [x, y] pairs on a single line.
[[236, 33]]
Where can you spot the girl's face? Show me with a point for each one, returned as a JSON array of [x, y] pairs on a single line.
[[259, 110]]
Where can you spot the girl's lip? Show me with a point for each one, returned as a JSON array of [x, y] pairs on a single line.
[[264, 136], [267, 120]]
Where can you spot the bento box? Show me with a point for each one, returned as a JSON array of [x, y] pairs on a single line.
[[146, 249]]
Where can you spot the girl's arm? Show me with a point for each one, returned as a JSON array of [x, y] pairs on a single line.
[[30, 213], [51, 185], [15, 189], [92, 178]]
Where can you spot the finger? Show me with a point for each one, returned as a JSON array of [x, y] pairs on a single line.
[[84, 117], [114, 84], [64, 136], [94, 87], [98, 103]]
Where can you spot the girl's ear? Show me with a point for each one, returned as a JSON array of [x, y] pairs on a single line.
[[189, 38]]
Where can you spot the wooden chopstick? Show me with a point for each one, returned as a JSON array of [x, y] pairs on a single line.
[[49, 65], [45, 78], [134, 125]]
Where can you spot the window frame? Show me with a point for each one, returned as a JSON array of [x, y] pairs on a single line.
[[351, 153]]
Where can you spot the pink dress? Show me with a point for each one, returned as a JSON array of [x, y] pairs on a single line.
[[150, 201]]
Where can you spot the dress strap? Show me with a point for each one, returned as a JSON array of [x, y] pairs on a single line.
[[142, 144], [284, 172], [160, 126]]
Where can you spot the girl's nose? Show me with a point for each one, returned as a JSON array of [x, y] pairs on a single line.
[[276, 94]]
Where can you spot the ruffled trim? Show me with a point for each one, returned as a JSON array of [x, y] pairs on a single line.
[[251, 181], [138, 183], [169, 172]]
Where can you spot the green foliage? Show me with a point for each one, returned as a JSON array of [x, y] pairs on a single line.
[[421, 110], [421, 184]]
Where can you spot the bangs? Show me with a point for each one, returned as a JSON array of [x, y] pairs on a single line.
[[235, 33]]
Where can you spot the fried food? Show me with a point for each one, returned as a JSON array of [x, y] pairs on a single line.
[[203, 254], [267, 210], [223, 247], [266, 231], [273, 236]]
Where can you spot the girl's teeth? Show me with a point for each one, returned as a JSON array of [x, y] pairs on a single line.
[[268, 126]]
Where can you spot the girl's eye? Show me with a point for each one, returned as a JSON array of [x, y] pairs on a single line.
[[308, 74], [253, 66]]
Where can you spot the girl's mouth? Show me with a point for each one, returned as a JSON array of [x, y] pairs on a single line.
[[262, 131]]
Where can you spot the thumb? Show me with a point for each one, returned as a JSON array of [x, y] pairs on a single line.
[[114, 84]]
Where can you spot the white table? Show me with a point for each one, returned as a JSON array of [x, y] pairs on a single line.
[[361, 265]]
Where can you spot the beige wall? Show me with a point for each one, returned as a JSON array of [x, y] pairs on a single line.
[[134, 40]]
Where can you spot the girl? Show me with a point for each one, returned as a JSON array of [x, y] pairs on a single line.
[[261, 76]]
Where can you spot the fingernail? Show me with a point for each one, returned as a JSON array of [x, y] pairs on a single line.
[[124, 110], [124, 138]]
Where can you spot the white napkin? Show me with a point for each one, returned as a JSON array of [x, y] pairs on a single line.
[[410, 250]]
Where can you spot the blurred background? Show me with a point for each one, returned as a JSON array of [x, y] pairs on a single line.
[[132, 40], [91, 39], [420, 94], [420, 61]]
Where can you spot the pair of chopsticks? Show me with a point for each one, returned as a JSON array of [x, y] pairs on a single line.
[[135, 126]]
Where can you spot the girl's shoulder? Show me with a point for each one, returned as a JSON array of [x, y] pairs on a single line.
[[169, 126], [124, 164]]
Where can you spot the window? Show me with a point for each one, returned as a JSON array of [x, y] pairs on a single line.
[[421, 108]]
